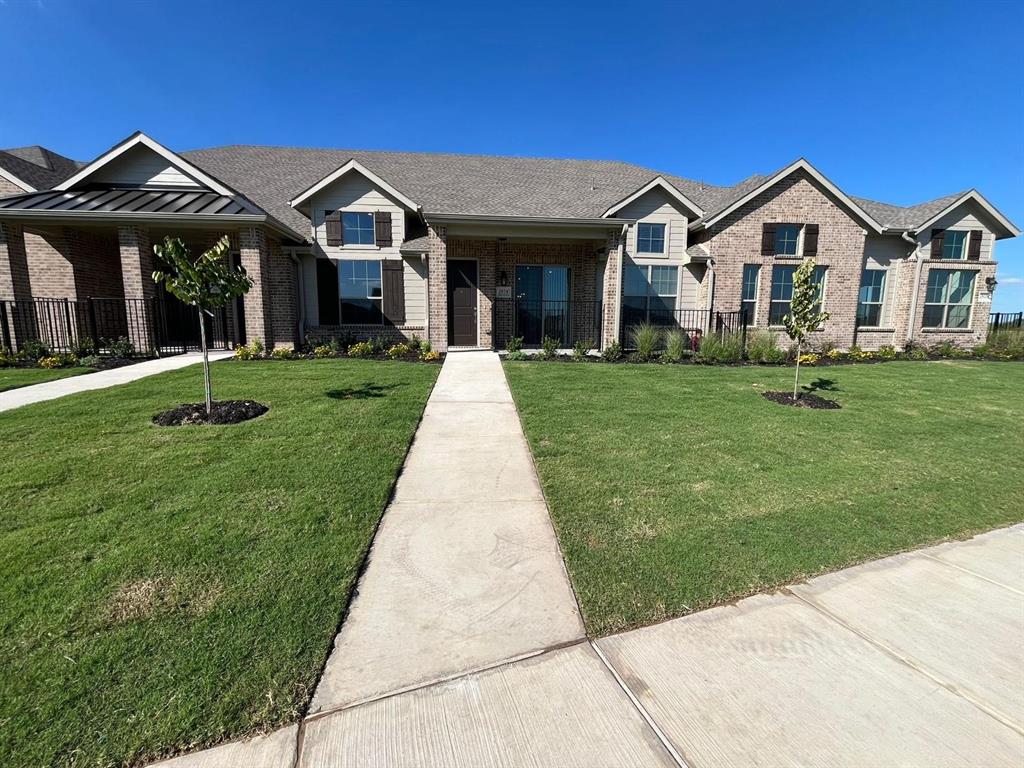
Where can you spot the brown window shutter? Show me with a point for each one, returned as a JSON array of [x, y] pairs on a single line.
[[393, 278], [768, 239], [938, 235], [382, 229], [327, 299], [974, 245], [810, 240], [335, 232]]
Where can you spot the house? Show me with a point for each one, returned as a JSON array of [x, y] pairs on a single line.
[[470, 250]]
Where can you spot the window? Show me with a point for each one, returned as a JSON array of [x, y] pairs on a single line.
[[358, 228], [359, 284], [948, 298], [782, 291], [649, 295], [650, 238], [787, 237], [748, 298], [953, 244], [872, 291]]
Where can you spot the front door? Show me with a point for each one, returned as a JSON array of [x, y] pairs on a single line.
[[462, 301], [542, 304]]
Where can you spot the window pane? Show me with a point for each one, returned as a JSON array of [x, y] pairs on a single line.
[[961, 285], [936, 291], [786, 237], [750, 272], [359, 279], [663, 281], [635, 281], [869, 315], [958, 316], [782, 283], [650, 238], [953, 244], [933, 315], [778, 310], [358, 228]]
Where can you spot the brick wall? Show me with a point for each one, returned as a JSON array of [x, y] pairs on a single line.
[[736, 241], [255, 258], [611, 290], [9, 188], [437, 286], [14, 272]]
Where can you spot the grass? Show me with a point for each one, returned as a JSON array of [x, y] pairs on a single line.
[[168, 588], [676, 488], [12, 378]]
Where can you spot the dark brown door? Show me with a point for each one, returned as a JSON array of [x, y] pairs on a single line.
[[462, 303]]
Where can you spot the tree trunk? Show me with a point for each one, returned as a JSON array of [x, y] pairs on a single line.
[[796, 379], [206, 365]]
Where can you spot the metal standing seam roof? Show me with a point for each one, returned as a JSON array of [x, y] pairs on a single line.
[[161, 202]]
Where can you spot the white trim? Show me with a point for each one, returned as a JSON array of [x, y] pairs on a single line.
[[657, 181], [664, 252], [977, 197], [353, 165], [4, 174], [473, 218], [799, 165], [133, 141]]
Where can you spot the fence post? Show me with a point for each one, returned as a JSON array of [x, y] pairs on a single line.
[[5, 328], [93, 327]]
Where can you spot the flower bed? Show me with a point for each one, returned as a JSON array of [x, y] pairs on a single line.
[[415, 350]]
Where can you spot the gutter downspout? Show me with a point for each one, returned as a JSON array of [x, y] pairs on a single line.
[[911, 322], [711, 294]]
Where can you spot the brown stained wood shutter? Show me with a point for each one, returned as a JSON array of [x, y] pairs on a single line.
[[974, 246], [938, 235], [335, 232], [327, 299], [393, 278], [768, 239], [382, 229], [811, 240]]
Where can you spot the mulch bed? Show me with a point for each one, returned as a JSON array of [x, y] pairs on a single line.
[[223, 412], [806, 400]]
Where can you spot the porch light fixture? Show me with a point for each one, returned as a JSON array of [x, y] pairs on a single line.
[[503, 278], [991, 283]]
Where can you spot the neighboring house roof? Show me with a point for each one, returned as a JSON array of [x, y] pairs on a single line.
[[35, 167]]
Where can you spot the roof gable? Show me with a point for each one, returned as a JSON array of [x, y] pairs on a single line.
[[657, 182], [353, 166], [796, 167], [1009, 229]]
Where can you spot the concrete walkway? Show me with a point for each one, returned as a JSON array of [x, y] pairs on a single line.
[[51, 390], [465, 570]]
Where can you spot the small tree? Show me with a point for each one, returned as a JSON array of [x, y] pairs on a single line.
[[803, 316], [206, 283]]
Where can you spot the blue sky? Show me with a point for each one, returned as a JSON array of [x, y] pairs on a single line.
[[898, 101]]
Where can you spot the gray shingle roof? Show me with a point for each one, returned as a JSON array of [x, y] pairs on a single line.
[[906, 217], [38, 166], [416, 244]]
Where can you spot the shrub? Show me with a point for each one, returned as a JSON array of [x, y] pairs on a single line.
[[90, 361], [646, 338], [834, 354], [254, 350], [325, 350], [581, 349], [283, 353], [84, 347], [63, 360], [763, 347], [809, 358], [515, 344], [612, 352], [517, 354], [726, 347], [677, 344], [1007, 344], [6, 358], [887, 352], [396, 351], [123, 347], [430, 356], [359, 349], [915, 352], [949, 349], [378, 344], [548, 347], [33, 350]]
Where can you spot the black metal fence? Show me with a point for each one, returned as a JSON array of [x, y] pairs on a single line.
[[690, 321], [154, 326], [1001, 321], [567, 321]]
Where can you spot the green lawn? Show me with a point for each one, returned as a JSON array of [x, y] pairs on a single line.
[[12, 378], [673, 488], [164, 588]]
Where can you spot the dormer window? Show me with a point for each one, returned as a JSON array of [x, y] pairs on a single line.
[[650, 238], [787, 240], [358, 228], [953, 244]]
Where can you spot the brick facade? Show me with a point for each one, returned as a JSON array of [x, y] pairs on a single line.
[[611, 290], [437, 287], [255, 257], [9, 188], [14, 272]]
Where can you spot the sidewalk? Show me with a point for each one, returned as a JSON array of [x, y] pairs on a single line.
[[51, 390]]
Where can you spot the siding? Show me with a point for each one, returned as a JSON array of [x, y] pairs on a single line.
[[967, 217], [689, 285], [886, 252], [354, 192], [657, 207], [415, 291], [141, 166]]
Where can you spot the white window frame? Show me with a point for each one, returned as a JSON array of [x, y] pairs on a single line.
[[341, 315], [799, 241], [665, 245], [373, 228], [757, 290], [945, 304], [881, 299], [964, 245], [821, 301]]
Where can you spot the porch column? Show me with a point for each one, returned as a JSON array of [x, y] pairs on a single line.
[[612, 293], [437, 287], [14, 286], [137, 262], [255, 258]]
